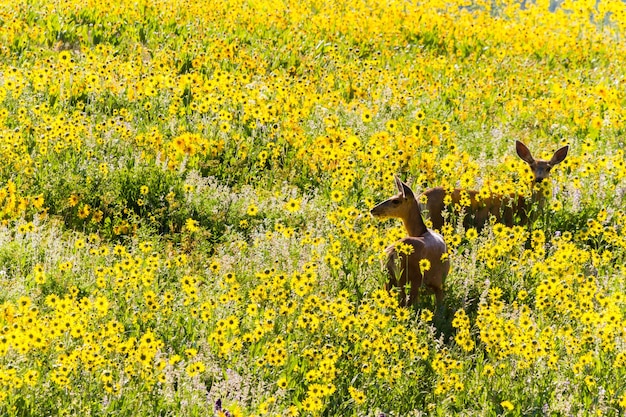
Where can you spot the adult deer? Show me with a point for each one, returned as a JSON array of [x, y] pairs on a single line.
[[507, 209], [424, 245]]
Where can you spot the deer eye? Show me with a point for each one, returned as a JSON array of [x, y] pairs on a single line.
[[395, 202]]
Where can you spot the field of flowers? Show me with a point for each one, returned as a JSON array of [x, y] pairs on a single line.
[[184, 204]]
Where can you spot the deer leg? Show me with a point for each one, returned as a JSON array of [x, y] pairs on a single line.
[[402, 300], [414, 294], [397, 277], [438, 296], [402, 297]]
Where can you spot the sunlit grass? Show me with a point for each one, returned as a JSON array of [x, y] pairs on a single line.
[[184, 204]]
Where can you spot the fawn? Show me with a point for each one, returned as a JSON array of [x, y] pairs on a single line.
[[506, 209], [425, 244]]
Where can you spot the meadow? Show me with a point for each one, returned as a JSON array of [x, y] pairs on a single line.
[[185, 190]]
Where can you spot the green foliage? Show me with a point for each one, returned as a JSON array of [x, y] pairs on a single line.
[[185, 195]]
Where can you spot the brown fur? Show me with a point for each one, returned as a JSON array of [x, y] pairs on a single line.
[[426, 244], [507, 209]]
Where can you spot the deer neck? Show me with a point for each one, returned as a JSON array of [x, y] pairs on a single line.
[[538, 197], [413, 222]]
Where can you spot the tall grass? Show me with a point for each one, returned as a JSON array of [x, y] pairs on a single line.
[[184, 204]]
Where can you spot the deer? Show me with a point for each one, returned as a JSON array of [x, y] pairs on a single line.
[[507, 209], [423, 243]]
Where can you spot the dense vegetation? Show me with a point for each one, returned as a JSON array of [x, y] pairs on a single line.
[[184, 203]]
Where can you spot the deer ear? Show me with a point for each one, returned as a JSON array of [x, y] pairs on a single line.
[[399, 185], [407, 192], [559, 155], [523, 152]]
